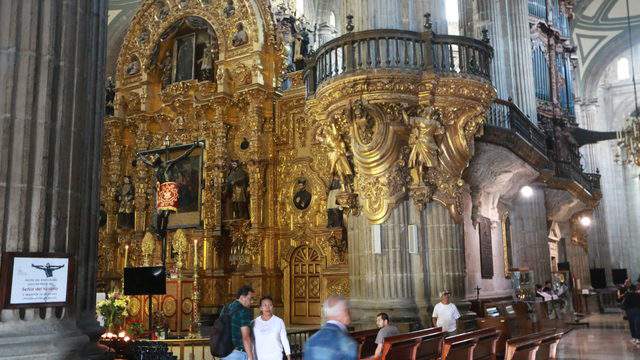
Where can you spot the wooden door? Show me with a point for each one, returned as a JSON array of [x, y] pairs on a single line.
[[305, 286]]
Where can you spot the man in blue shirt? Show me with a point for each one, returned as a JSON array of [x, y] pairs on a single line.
[[241, 316], [332, 341]]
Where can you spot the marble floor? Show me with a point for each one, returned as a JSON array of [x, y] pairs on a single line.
[[607, 338]]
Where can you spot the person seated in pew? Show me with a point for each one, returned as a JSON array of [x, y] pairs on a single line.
[[445, 314], [386, 330]]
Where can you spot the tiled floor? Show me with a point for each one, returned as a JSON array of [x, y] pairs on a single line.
[[607, 338]]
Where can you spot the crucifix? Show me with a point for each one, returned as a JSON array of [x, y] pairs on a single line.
[[478, 288], [166, 188]]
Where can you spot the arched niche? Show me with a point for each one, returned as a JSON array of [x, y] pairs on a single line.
[[187, 50]]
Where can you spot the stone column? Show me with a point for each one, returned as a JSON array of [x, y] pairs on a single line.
[[381, 282], [529, 235], [520, 63], [400, 14], [51, 109], [446, 259]]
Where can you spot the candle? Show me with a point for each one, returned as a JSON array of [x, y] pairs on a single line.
[[126, 254], [195, 254], [204, 255]]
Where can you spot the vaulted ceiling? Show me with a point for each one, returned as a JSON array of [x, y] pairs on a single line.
[[600, 32]]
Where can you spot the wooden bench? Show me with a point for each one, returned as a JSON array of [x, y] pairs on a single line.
[[366, 340], [536, 346], [417, 345], [473, 345]]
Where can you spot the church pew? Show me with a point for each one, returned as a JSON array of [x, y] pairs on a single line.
[[473, 345], [366, 340], [536, 346], [427, 342]]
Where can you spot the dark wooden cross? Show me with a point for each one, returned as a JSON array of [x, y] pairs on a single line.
[[478, 292]]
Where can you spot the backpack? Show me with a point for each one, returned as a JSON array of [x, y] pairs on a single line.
[[220, 340]]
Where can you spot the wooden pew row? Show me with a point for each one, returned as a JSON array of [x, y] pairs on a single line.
[[417, 345], [473, 345], [537, 346], [366, 340]]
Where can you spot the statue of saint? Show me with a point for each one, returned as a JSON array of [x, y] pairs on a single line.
[[166, 69], [125, 197], [230, 9], [133, 67], [240, 37], [424, 149], [302, 197], [337, 155], [236, 186], [110, 95], [206, 62], [166, 188]]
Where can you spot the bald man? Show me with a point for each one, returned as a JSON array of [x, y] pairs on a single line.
[[332, 341]]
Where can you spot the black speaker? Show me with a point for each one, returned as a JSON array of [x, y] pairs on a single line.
[[598, 278], [564, 266], [619, 276]]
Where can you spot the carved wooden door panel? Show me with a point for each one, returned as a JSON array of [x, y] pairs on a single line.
[[305, 286]]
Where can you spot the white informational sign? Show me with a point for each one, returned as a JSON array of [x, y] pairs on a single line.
[[39, 280]]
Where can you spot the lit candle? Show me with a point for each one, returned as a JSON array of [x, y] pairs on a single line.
[[195, 254], [204, 256], [126, 254]]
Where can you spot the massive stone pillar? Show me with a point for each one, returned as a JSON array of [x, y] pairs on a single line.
[[529, 235], [399, 14], [51, 74]]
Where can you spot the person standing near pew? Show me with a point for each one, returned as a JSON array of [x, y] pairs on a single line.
[[270, 333], [386, 330], [445, 314], [332, 341]]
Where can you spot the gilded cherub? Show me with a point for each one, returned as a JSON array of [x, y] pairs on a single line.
[[337, 154], [424, 149]]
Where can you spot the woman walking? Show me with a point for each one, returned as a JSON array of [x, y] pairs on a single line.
[[270, 333]]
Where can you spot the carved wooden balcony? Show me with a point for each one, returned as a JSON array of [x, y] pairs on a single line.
[[407, 51]]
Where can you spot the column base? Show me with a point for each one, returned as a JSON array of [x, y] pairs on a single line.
[[363, 312], [48, 339]]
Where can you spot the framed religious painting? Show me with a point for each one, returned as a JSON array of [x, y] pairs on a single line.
[[31, 280], [185, 47], [187, 174]]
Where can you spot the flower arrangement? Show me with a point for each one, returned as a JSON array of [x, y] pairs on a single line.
[[113, 310]]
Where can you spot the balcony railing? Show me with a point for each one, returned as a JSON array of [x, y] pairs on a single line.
[[505, 114], [373, 50]]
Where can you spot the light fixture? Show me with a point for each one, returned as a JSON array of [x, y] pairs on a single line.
[[526, 191], [585, 221], [629, 138]]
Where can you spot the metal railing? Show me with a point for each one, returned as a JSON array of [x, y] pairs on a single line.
[[506, 114], [297, 340], [372, 50]]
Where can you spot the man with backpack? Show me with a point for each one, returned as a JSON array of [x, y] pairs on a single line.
[[231, 336]]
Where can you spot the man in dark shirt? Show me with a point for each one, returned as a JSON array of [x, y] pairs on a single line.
[[241, 316], [631, 305]]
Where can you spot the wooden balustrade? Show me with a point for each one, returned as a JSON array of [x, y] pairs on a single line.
[[398, 50]]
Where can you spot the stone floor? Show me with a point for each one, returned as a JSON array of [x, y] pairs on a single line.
[[607, 338]]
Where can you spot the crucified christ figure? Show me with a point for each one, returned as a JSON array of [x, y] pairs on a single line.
[[167, 189]]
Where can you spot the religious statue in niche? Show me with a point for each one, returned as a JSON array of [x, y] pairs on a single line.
[[301, 43], [162, 9], [364, 123], [230, 9], [185, 47], [110, 95], [167, 188], [338, 157], [166, 69], [422, 141], [240, 37], [334, 210], [143, 37], [301, 196], [124, 198], [236, 187], [102, 216], [133, 67], [206, 62]]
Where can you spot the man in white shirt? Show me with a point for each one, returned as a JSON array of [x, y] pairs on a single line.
[[445, 313], [270, 333]]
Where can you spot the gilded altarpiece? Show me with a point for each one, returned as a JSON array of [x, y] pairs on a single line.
[[263, 183]]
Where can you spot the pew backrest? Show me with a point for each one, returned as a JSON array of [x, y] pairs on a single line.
[[536, 346], [426, 342], [366, 340], [477, 344]]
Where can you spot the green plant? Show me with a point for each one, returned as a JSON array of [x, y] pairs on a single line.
[[135, 329]]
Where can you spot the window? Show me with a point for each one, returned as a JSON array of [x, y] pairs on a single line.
[[332, 19], [623, 69], [453, 18], [299, 8]]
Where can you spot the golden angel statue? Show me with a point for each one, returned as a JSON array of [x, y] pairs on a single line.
[[337, 154], [424, 149]]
